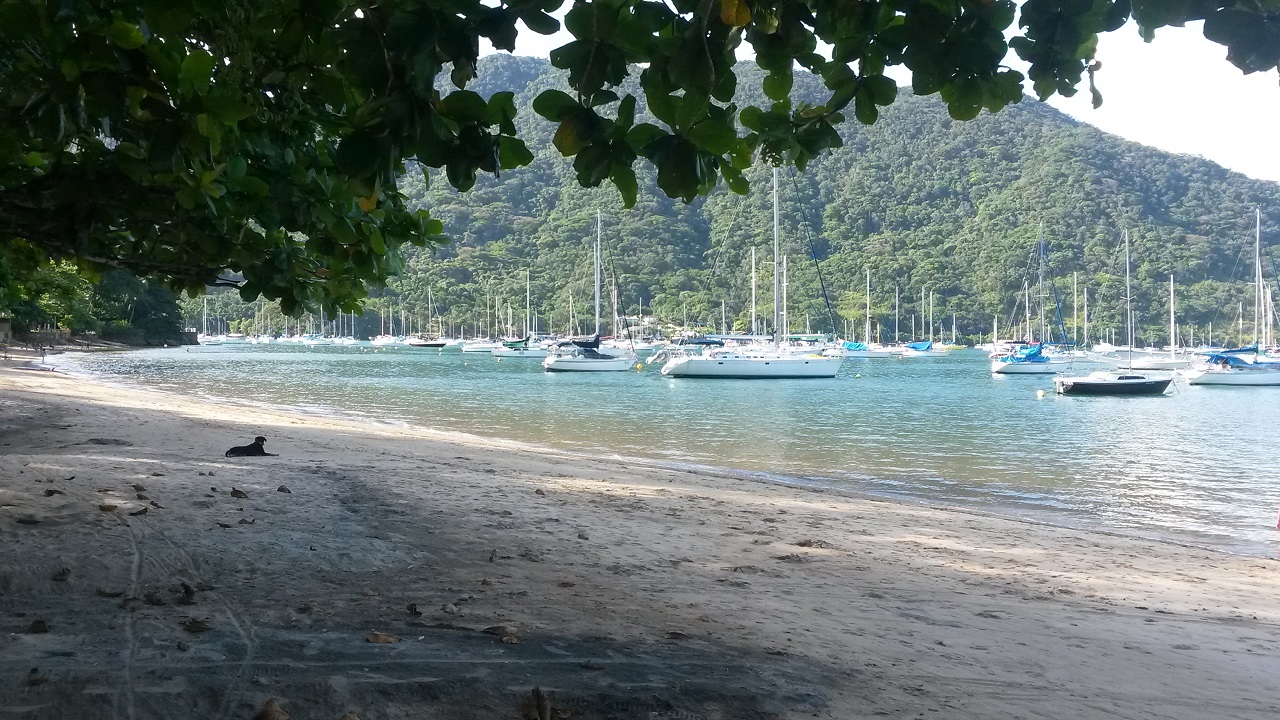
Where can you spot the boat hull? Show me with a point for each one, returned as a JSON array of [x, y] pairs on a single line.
[[530, 353], [1239, 378], [1088, 386], [577, 364], [1003, 367], [813, 366]]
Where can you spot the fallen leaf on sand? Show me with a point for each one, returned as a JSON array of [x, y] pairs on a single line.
[[193, 625], [138, 488], [272, 710], [486, 581], [62, 575], [136, 513], [154, 599], [814, 544], [675, 635], [238, 493], [107, 508], [27, 521], [107, 593], [188, 595], [68, 479], [501, 630], [157, 505], [37, 627], [539, 491], [493, 556], [793, 558], [537, 706], [565, 584], [449, 608], [284, 489], [51, 492], [248, 522], [141, 496], [779, 653], [510, 640], [106, 490], [381, 638], [583, 536], [157, 474], [413, 609], [223, 525], [35, 677]]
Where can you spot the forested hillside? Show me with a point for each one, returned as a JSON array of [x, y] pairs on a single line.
[[922, 201]]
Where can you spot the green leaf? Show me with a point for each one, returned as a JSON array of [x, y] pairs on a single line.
[[777, 85], [465, 106], [126, 35], [624, 178], [197, 70], [512, 153], [554, 105]]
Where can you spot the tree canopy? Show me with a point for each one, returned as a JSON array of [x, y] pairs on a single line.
[[187, 139]]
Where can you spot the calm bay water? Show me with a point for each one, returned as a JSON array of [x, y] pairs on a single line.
[[1198, 466]]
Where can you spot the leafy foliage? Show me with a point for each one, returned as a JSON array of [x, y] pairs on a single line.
[[180, 139], [922, 201]]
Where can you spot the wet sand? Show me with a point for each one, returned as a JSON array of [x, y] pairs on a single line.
[[622, 590]]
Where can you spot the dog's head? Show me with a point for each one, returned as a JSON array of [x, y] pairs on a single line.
[[259, 439]]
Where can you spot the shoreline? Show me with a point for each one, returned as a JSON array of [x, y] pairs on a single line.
[[631, 590], [1030, 514]]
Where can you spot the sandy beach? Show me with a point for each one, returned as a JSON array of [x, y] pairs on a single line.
[[407, 573]]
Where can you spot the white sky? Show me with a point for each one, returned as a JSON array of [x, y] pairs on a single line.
[[1177, 93]]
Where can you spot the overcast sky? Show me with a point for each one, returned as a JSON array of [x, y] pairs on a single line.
[[1177, 93]]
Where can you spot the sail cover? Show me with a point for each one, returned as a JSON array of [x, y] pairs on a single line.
[[922, 345]]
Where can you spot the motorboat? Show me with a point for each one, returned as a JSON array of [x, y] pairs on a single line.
[[1107, 382]]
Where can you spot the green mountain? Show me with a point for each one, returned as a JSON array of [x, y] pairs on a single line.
[[921, 201]]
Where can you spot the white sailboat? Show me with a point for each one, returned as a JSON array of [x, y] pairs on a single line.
[[1120, 382], [1249, 366], [1030, 359], [526, 347], [866, 348], [770, 362], [585, 355]]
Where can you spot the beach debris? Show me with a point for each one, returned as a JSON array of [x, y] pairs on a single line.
[[196, 625], [202, 474], [493, 556], [62, 575], [205, 587], [583, 536], [590, 665], [248, 522], [188, 595], [38, 627], [157, 505], [105, 507], [793, 558], [540, 491], [504, 632], [131, 604], [108, 441], [369, 592], [140, 496], [748, 569], [272, 710], [779, 653], [381, 638], [101, 592], [157, 474], [675, 635], [285, 489], [139, 488], [510, 640], [68, 479], [27, 521], [808, 543], [210, 473], [449, 609], [50, 492], [988, 614], [35, 677], [213, 489], [153, 598], [304, 608], [413, 609], [566, 583], [238, 493], [106, 490], [486, 581], [136, 513], [537, 706], [224, 525]]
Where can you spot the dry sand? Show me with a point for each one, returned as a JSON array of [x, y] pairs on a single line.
[[629, 591]]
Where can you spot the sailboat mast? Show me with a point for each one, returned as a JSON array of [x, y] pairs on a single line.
[[1075, 296], [777, 285], [753, 290], [1026, 291], [527, 297], [1040, 287], [1086, 315], [1172, 331], [895, 313], [786, 318], [867, 334], [1257, 265], [1128, 299], [599, 231]]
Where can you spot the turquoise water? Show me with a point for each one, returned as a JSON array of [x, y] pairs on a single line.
[[1197, 466]]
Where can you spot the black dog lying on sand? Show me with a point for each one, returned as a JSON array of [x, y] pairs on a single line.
[[248, 450]]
